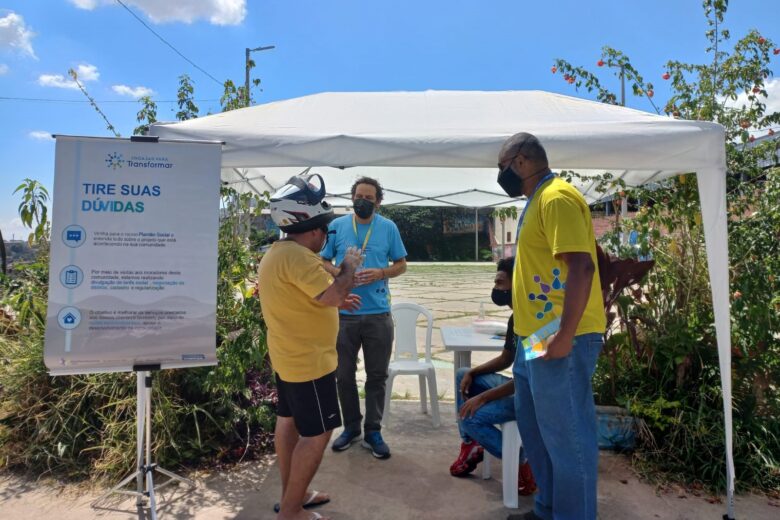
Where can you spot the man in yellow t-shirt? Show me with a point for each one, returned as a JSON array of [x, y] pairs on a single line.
[[299, 300], [555, 278]]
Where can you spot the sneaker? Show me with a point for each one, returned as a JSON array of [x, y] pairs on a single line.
[[471, 454], [345, 440], [526, 484], [374, 442]]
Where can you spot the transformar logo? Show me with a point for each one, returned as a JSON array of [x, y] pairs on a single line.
[[114, 161]]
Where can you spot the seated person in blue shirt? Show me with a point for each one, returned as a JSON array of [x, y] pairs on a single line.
[[486, 398]]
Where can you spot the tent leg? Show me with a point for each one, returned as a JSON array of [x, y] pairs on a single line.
[[712, 195], [476, 234]]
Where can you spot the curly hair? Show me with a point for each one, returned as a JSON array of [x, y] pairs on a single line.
[[380, 194], [506, 265]]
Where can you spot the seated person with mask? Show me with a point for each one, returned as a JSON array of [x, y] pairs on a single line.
[[485, 398]]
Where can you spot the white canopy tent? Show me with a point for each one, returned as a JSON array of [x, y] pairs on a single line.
[[444, 187], [426, 136]]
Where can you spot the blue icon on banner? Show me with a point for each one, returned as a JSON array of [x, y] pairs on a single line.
[[71, 276], [74, 236], [69, 318]]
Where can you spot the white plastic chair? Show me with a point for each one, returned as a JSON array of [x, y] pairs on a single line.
[[510, 463], [406, 360]]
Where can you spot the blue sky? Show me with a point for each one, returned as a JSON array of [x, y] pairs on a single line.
[[336, 45]]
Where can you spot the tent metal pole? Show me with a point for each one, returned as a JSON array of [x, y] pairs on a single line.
[[476, 234], [623, 215]]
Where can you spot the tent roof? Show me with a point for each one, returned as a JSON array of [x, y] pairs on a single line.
[[436, 132], [444, 187]]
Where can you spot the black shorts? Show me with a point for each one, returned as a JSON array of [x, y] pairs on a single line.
[[313, 405]]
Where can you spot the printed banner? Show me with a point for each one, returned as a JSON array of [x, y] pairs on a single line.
[[133, 270]]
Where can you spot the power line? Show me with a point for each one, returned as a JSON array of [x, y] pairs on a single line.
[[168, 44], [47, 100]]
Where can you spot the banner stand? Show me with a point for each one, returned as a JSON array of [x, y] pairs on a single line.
[[145, 468]]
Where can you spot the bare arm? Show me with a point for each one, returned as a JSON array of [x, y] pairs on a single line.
[[578, 284], [470, 407], [344, 281], [397, 268], [497, 364], [370, 275], [330, 268]]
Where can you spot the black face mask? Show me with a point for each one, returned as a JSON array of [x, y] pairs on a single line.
[[363, 208], [510, 182], [501, 298]]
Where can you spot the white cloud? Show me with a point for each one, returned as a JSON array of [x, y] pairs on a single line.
[[57, 81], [134, 92], [85, 72], [15, 34], [3, 69], [217, 12], [40, 135], [772, 101], [14, 229], [85, 4]]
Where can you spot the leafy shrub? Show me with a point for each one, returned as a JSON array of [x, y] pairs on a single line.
[[664, 364], [79, 426]]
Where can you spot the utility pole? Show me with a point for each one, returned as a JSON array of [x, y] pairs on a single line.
[[246, 62], [623, 200]]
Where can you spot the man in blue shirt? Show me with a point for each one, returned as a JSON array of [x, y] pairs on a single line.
[[371, 326]]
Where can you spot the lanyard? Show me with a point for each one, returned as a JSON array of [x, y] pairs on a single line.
[[368, 235], [528, 203]]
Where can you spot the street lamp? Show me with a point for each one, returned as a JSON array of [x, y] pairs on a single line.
[[246, 79], [623, 200]]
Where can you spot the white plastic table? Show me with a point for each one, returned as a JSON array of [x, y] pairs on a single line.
[[465, 340]]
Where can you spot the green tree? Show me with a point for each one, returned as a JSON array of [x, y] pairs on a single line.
[[669, 373], [185, 99], [33, 209], [146, 115], [3, 256]]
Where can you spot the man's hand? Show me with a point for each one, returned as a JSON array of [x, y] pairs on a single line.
[[559, 346], [366, 276], [352, 258], [471, 406], [465, 383], [351, 303]]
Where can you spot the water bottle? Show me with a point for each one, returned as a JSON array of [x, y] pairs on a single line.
[[481, 310]]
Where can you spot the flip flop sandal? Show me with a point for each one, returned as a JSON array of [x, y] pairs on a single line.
[[310, 503]]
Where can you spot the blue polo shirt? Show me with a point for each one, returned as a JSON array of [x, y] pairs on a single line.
[[384, 244]]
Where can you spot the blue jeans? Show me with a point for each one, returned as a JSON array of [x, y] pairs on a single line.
[[556, 418], [482, 426]]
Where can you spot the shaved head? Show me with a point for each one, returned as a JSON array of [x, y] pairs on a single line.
[[524, 144]]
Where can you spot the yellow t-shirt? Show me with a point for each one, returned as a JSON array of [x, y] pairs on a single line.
[[301, 331], [557, 221]]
